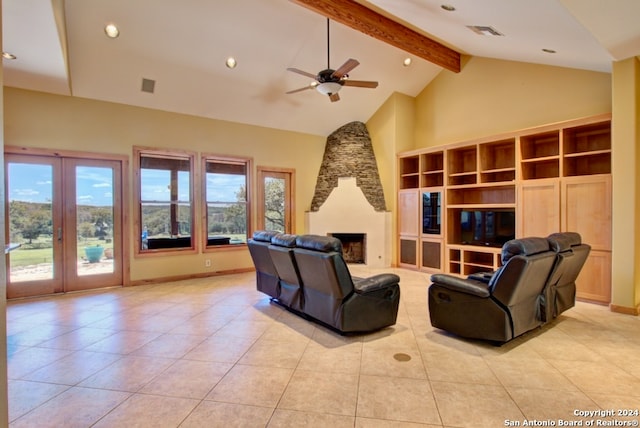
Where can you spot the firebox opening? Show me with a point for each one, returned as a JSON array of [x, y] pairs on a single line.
[[353, 246]]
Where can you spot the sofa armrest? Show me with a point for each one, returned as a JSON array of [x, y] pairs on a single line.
[[482, 276], [376, 282], [461, 285]]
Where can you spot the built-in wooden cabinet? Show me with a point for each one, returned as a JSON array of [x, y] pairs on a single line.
[[408, 222], [420, 210], [550, 178]]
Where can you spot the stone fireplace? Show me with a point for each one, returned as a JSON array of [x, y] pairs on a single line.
[[349, 200], [347, 211], [354, 246]]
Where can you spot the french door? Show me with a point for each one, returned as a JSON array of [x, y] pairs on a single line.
[[64, 224], [275, 199]]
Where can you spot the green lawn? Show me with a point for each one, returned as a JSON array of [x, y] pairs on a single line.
[[25, 256]]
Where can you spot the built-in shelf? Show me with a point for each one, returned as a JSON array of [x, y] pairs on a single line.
[[491, 195], [540, 154], [543, 178], [587, 150], [466, 259]]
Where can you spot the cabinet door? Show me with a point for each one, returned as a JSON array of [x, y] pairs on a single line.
[[594, 281], [587, 209], [538, 208], [408, 212], [408, 227]]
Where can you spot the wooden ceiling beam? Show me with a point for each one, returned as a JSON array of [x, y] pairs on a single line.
[[373, 24]]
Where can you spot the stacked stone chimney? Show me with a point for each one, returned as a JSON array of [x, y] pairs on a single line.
[[349, 153]]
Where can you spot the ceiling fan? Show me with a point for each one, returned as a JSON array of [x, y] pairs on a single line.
[[329, 81]]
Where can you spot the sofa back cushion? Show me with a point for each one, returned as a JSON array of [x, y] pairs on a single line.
[[571, 257], [259, 250], [325, 276], [527, 265], [267, 279], [281, 251], [324, 244]]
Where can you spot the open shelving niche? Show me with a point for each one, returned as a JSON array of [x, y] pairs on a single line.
[[481, 177], [490, 174]]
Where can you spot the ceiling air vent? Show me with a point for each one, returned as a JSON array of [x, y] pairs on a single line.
[[484, 30], [148, 85]]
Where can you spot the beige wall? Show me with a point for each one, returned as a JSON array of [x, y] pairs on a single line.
[[34, 119], [391, 132], [490, 97]]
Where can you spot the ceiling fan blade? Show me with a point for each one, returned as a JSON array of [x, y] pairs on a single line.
[[360, 83], [345, 68], [300, 89], [334, 97], [304, 73]]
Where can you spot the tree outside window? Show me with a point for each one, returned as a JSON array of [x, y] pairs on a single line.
[[227, 196]]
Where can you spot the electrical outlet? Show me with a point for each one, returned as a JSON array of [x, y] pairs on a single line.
[[207, 263]]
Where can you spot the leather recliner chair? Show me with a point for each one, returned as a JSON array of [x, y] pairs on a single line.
[[334, 297], [506, 307], [571, 254], [267, 280]]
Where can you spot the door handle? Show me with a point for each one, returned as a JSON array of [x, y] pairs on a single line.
[[59, 234]]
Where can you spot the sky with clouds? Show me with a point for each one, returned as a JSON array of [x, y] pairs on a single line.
[[94, 185]]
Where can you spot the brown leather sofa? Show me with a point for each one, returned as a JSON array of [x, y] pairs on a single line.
[[314, 282], [505, 307], [536, 283]]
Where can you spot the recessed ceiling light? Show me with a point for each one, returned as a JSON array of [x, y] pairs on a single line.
[[406, 62], [549, 51], [448, 7], [7, 55], [231, 62], [111, 30]]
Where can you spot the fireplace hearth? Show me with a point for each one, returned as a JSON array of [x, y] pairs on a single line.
[[353, 246]]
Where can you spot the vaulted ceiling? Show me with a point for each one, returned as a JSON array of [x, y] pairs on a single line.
[[61, 48]]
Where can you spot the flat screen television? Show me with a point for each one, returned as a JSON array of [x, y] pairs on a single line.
[[487, 227]]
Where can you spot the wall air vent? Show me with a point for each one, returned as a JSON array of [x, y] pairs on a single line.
[[148, 85], [484, 30]]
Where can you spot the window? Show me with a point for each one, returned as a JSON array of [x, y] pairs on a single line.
[[165, 195], [227, 192]]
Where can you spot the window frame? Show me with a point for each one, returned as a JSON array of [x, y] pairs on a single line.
[[139, 153], [233, 160], [287, 174]]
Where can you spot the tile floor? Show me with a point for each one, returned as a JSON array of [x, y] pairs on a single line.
[[215, 352]]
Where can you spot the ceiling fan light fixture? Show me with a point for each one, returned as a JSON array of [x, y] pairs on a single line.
[[328, 88]]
